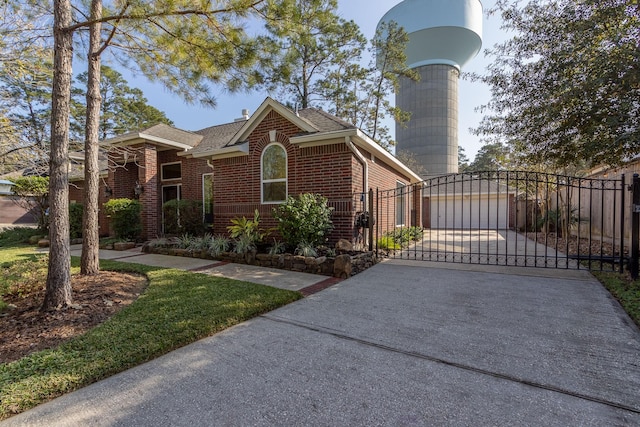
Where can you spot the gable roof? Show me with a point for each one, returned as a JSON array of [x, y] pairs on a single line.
[[164, 136], [317, 127], [268, 105], [230, 139]]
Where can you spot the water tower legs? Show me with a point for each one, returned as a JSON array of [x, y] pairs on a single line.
[[432, 132]]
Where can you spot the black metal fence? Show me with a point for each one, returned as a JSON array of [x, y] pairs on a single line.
[[512, 218]]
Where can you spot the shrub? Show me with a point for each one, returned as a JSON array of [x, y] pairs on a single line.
[[13, 236], [305, 249], [402, 236], [217, 245], [75, 220], [243, 244], [305, 218], [387, 242], [125, 217], [187, 241], [183, 216], [276, 248], [248, 227], [560, 220]]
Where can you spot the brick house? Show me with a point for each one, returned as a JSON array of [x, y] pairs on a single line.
[[255, 163]]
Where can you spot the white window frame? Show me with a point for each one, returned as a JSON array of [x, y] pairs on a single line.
[[162, 178], [268, 181], [401, 193]]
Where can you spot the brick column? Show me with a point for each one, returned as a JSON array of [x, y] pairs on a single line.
[[150, 199]]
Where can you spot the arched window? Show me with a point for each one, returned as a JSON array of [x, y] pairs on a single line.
[[274, 173]]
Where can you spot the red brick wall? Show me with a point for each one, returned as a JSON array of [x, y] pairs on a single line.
[[383, 178], [236, 181], [150, 198], [76, 191], [331, 170], [192, 171]]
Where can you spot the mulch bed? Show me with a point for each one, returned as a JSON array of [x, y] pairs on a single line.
[[582, 246], [25, 329]]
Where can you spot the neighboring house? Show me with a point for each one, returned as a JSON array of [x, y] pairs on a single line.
[[5, 187], [11, 210], [255, 163]]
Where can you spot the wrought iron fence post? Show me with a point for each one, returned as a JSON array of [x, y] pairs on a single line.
[[635, 227], [372, 219]]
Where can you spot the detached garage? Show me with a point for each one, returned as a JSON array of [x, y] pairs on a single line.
[[466, 202]]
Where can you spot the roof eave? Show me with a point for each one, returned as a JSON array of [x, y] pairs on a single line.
[[367, 143], [140, 137], [256, 118], [322, 138], [223, 153]]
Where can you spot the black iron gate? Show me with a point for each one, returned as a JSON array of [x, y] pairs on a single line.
[[511, 218]]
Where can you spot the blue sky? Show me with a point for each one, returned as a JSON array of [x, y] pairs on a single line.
[[366, 13]]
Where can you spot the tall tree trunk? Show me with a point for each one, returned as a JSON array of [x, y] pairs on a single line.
[[58, 290], [90, 262]]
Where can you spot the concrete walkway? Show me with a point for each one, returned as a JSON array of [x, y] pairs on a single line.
[[291, 280], [399, 344]]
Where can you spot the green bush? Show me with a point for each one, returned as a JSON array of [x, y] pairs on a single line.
[[305, 218], [75, 220], [183, 217], [16, 235], [560, 221], [125, 218], [247, 233], [387, 242], [405, 235]]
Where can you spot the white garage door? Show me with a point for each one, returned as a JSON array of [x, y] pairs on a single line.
[[470, 212]]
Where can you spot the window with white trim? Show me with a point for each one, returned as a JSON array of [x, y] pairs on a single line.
[[274, 173], [400, 203], [169, 171]]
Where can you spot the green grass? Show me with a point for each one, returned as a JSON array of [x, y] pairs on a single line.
[[625, 290], [176, 309]]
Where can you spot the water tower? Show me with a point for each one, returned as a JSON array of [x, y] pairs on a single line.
[[443, 36]]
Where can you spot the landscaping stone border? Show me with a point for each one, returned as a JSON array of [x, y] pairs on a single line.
[[342, 266]]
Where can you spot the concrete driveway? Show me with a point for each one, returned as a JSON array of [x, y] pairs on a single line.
[[489, 247], [400, 344]]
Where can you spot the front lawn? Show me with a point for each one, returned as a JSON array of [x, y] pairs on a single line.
[[176, 309]]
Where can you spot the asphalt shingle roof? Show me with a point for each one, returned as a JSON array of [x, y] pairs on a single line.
[[163, 131], [216, 136], [324, 121]]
